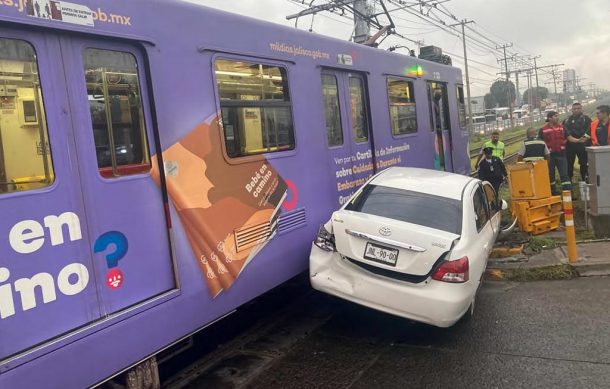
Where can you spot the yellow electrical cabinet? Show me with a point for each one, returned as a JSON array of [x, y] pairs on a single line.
[[529, 180], [538, 216]]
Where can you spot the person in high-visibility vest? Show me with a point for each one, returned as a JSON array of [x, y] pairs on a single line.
[[600, 128], [533, 148], [497, 147]]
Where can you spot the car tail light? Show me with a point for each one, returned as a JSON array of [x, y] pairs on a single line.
[[452, 271], [325, 240]]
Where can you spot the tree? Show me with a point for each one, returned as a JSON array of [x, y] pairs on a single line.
[[500, 91], [538, 94], [490, 102]]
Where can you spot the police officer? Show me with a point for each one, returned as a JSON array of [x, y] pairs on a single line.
[[578, 126], [533, 148], [492, 169]]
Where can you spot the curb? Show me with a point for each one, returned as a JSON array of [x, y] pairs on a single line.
[[592, 269], [543, 273], [553, 272]]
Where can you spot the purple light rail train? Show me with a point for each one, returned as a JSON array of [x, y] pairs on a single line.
[[162, 163]]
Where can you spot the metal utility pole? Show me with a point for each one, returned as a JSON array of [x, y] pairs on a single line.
[[578, 86], [536, 69], [592, 89], [362, 14], [530, 97], [364, 17], [469, 105], [518, 95], [529, 70], [555, 78], [510, 103]]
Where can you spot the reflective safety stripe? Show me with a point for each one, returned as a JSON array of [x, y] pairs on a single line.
[[569, 223], [533, 159], [567, 198], [534, 142]]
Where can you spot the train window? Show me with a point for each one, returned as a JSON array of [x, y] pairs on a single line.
[[115, 105], [25, 156], [461, 105], [255, 107], [332, 113], [402, 106], [359, 119], [439, 109]]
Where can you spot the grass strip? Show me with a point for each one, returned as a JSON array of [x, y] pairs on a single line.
[[547, 273]]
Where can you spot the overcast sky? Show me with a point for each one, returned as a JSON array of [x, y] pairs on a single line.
[[573, 32]]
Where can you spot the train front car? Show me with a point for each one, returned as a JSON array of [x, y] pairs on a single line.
[[162, 164]]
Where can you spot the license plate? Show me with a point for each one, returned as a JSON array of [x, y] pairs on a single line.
[[381, 254]]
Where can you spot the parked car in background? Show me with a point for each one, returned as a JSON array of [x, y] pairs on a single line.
[[410, 242]]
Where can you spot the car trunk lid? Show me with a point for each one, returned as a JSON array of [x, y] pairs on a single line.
[[390, 244]]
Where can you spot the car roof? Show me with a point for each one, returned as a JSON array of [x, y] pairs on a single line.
[[426, 181]]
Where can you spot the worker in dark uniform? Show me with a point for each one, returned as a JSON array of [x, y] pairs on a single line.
[[599, 128], [533, 148], [578, 126], [492, 169]]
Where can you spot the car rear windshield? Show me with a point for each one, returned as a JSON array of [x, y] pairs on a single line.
[[422, 209]]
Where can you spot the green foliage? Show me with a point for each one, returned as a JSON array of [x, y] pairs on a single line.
[[500, 91], [559, 272], [537, 244], [490, 102], [538, 94]]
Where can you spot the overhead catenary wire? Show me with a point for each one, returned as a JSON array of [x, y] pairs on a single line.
[[418, 13]]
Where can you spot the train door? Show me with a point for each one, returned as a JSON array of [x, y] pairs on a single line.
[[441, 125], [47, 278], [349, 136], [124, 205]]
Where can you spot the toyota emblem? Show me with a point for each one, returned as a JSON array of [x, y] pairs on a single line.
[[385, 231]]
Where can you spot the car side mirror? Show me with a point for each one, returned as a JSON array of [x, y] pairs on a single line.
[[504, 205]]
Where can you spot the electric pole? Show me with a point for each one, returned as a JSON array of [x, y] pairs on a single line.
[[510, 104], [362, 28], [464, 23], [517, 94], [555, 78], [528, 72], [536, 69], [578, 87]]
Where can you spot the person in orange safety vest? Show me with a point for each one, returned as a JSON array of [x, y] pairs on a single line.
[[600, 136]]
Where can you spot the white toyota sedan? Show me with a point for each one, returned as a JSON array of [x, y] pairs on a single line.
[[410, 242]]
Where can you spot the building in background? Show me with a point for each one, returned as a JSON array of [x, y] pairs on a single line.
[[477, 105], [569, 81]]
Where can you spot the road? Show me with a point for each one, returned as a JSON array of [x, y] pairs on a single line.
[[537, 334]]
